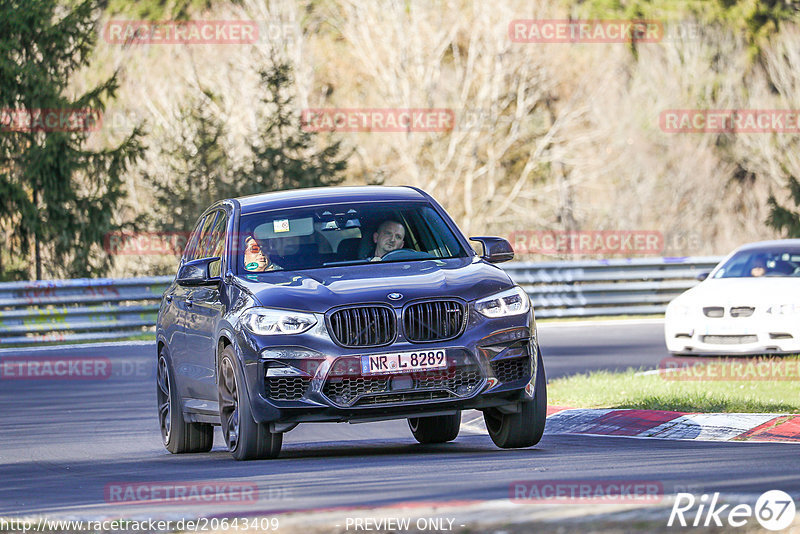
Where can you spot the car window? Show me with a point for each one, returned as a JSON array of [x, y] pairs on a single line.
[[191, 245], [200, 243], [758, 263], [326, 236], [204, 244], [214, 242]]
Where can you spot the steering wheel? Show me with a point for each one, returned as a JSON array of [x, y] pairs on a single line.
[[406, 254]]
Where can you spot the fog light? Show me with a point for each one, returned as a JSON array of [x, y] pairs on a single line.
[[290, 353], [275, 371]]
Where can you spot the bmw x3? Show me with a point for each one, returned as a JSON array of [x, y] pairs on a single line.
[[343, 304]]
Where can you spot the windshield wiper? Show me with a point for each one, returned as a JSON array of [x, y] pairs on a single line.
[[344, 262]]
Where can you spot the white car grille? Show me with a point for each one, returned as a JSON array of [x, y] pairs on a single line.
[[729, 340]]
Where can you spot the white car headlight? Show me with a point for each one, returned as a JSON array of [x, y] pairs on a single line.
[[513, 301], [784, 309], [269, 321], [678, 310]]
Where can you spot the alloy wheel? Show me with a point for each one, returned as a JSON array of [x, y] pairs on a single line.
[[164, 400], [229, 404]]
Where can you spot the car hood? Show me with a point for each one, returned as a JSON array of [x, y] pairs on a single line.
[[318, 290], [742, 292]]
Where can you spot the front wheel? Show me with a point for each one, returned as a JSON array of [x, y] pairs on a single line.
[[246, 439], [436, 429], [524, 428], [178, 435]]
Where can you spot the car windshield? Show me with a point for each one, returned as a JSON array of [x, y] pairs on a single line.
[[757, 263], [343, 234]]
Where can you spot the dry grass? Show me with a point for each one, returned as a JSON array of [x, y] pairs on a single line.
[[551, 136]]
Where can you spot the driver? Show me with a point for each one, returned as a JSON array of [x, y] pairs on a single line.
[[389, 237], [758, 267], [254, 258]]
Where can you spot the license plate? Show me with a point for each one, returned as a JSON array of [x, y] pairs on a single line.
[[403, 362]]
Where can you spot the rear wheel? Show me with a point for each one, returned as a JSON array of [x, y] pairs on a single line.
[[246, 439], [437, 429], [178, 435], [524, 428]]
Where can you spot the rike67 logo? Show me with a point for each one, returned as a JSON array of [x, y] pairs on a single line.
[[774, 510]]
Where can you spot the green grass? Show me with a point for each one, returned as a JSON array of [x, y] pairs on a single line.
[[630, 389]]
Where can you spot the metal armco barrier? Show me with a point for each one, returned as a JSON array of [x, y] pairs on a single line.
[[595, 288], [78, 310], [102, 309]]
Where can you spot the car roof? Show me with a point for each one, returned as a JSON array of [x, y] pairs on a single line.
[[326, 195], [765, 246]]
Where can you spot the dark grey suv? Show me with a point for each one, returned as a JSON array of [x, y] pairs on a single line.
[[342, 304]]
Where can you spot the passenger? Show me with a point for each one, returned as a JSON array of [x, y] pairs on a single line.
[[389, 237], [254, 258]]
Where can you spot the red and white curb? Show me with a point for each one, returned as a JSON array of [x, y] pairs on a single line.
[[756, 427]]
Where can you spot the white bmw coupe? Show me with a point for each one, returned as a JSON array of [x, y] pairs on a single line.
[[749, 304]]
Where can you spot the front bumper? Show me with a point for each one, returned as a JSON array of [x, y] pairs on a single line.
[[726, 335], [321, 382]]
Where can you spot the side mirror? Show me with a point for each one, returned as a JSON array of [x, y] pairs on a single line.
[[198, 272], [702, 276], [495, 249]]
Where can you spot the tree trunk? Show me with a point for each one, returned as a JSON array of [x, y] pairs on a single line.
[[36, 251]]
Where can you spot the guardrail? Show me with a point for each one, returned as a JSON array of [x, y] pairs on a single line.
[[78, 310], [58, 311], [595, 288]]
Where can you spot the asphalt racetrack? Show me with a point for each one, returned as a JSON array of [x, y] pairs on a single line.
[[69, 447]]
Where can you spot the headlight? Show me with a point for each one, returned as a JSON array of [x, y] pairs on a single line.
[[513, 301], [678, 310], [784, 309], [270, 322]]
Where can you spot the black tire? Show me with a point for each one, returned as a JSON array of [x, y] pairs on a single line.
[[177, 435], [246, 439], [436, 429], [524, 428]]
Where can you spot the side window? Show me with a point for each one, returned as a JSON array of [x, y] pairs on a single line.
[[207, 243], [191, 245], [201, 238], [217, 242], [218, 235]]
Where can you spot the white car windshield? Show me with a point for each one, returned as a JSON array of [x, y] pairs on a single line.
[[761, 262]]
